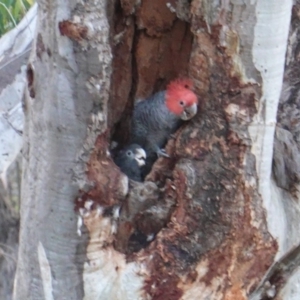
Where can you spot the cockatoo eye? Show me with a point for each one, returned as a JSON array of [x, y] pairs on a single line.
[[181, 103], [129, 153]]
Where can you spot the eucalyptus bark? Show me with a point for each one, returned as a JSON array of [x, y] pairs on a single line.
[[14, 52], [202, 225], [65, 83], [9, 229]]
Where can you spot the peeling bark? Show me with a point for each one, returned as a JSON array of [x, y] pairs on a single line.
[[285, 186], [14, 52], [286, 147], [277, 276], [69, 90], [218, 222], [197, 227]]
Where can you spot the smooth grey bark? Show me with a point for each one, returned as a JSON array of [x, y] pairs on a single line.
[[58, 107], [14, 52], [66, 109], [15, 48]]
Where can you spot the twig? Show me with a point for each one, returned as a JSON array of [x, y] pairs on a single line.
[[277, 276]]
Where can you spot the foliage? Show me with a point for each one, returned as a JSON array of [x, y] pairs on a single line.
[[11, 13]]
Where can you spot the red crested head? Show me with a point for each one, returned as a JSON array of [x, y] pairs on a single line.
[[180, 99]]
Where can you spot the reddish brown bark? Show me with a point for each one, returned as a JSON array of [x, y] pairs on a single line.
[[215, 215]]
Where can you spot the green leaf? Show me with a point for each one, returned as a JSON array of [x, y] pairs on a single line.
[[11, 12]]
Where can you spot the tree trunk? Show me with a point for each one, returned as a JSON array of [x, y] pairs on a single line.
[[202, 225], [66, 82], [9, 229], [14, 52]]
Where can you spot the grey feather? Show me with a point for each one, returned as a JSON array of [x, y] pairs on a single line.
[[153, 123], [128, 160]]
